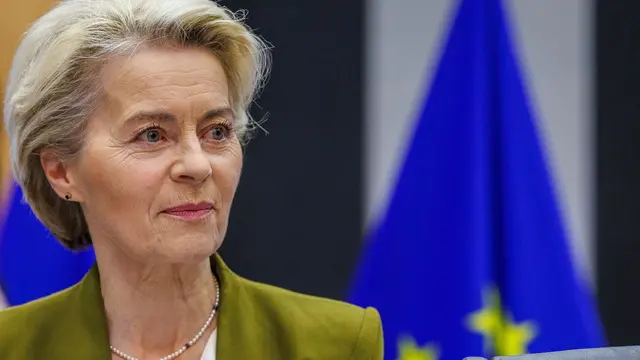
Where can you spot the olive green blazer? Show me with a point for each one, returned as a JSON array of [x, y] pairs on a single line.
[[255, 321]]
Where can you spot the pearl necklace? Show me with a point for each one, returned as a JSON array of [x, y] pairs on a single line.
[[190, 343]]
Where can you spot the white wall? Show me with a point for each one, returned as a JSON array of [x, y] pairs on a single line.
[[554, 40]]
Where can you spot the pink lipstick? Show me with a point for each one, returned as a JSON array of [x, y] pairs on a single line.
[[191, 212]]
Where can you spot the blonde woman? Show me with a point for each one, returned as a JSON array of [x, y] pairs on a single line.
[[126, 120]]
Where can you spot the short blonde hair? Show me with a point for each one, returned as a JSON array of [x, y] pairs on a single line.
[[52, 87]]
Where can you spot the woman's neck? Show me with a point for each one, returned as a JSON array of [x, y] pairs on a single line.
[[153, 309]]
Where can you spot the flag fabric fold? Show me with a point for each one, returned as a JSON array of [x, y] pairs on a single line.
[[33, 264], [471, 256]]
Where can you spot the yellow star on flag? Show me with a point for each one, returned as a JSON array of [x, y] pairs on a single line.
[[488, 320], [513, 339], [500, 332], [409, 350]]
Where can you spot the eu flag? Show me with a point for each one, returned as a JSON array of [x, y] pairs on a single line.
[[32, 262], [471, 257]]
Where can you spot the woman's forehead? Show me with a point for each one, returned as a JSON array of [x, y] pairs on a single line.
[[159, 68], [156, 78]]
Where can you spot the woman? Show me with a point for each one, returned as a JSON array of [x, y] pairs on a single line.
[[126, 119]]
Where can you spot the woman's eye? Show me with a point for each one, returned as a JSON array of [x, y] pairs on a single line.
[[151, 135], [219, 132]]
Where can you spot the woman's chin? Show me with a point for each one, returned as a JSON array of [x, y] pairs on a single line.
[[189, 252]]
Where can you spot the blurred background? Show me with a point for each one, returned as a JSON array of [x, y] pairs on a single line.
[[348, 83]]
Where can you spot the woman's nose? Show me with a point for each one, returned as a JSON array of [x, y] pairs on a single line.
[[193, 166]]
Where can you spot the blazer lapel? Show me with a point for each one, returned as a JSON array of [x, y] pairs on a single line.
[[237, 322], [81, 332]]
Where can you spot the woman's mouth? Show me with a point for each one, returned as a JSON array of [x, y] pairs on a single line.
[[190, 212]]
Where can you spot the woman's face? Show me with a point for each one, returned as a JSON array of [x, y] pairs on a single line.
[[162, 162]]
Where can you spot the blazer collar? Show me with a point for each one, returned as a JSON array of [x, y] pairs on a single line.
[[87, 318]]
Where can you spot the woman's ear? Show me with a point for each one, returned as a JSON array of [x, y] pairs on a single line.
[[59, 175]]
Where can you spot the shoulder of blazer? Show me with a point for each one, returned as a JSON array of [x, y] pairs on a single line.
[[293, 325], [68, 325], [21, 326]]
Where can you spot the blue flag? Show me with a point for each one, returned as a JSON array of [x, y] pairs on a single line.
[[33, 264], [471, 257]]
